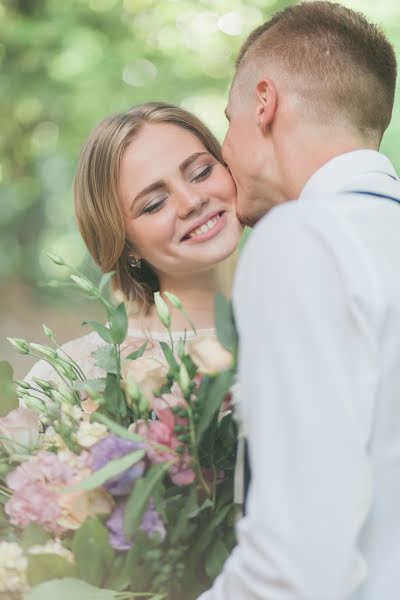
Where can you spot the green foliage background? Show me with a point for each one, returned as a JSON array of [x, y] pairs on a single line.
[[67, 64]]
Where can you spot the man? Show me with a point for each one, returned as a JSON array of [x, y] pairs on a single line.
[[317, 304]]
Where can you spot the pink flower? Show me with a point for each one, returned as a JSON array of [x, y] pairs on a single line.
[[162, 432], [34, 503], [21, 427], [43, 467]]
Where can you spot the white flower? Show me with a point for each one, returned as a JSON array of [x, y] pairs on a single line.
[[90, 433], [53, 547], [51, 439], [13, 566], [73, 411]]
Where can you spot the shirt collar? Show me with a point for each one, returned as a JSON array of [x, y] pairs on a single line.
[[338, 173]]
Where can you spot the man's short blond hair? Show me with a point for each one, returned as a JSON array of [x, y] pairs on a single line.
[[341, 65]]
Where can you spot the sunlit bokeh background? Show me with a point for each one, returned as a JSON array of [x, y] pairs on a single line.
[[64, 66]]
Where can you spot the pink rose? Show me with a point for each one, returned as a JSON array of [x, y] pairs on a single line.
[[21, 428]]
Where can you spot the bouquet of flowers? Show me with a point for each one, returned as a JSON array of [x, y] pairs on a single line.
[[119, 487]]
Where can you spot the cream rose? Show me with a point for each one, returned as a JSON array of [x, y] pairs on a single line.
[[208, 354], [147, 372]]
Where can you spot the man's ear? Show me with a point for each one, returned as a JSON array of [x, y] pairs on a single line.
[[267, 102]]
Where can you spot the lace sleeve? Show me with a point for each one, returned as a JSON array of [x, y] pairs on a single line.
[[79, 350]]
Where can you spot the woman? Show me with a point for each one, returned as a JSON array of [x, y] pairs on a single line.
[[154, 202]]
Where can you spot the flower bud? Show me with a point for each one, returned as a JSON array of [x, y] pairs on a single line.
[[22, 384], [20, 345], [83, 283], [133, 390], [175, 301], [45, 350], [162, 310], [45, 385], [47, 331], [180, 349], [184, 379], [55, 258], [64, 369]]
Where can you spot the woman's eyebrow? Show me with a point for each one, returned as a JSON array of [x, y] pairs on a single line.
[[150, 188], [160, 183], [188, 161]]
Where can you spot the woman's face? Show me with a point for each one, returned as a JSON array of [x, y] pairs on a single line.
[[178, 201]]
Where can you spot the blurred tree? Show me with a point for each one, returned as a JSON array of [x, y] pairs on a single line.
[[66, 65]]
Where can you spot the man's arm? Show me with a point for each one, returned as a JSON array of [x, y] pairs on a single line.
[[304, 362]]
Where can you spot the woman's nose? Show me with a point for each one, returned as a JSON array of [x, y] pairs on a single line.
[[189, 201]]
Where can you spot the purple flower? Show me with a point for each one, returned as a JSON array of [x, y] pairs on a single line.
[[151, 524], [109, 448]]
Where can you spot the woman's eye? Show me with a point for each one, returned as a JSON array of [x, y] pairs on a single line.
[[152, 208], [203, 173]]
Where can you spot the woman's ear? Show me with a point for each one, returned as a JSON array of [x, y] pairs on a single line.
[[267, 102]]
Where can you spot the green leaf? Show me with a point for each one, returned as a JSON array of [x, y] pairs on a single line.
[[211, 396], [183, 517], [215, 558], [208, 532], [43, 567], [67, 589], [113, 396], [115, 427], [8, 390], [97, 385], [110, 470], [119, 323], [169, 356], [224, 323], [33, 535], [101, 330], [139, 497], [106, 359], [138, 353], [105, 279], [92, 551]]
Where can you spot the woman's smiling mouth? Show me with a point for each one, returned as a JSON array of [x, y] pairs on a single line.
[[207, 229]]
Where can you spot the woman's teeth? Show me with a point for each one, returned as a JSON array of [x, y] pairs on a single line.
[[205, 227]]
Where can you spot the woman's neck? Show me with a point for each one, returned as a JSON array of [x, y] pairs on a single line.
[[197, 294]]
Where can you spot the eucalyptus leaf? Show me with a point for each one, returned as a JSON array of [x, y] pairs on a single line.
[[215, 558], [169, 356], [211, 396], [106, 358], [92, 551], [138, 500], [8, 390], [101, 330], [69, 589], [183, 517], [33, 535], [138, 353], [224, 323], [44, 567], [110, 470], [119, 323]]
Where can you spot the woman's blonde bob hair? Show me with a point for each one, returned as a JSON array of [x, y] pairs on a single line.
[[97, 206]]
